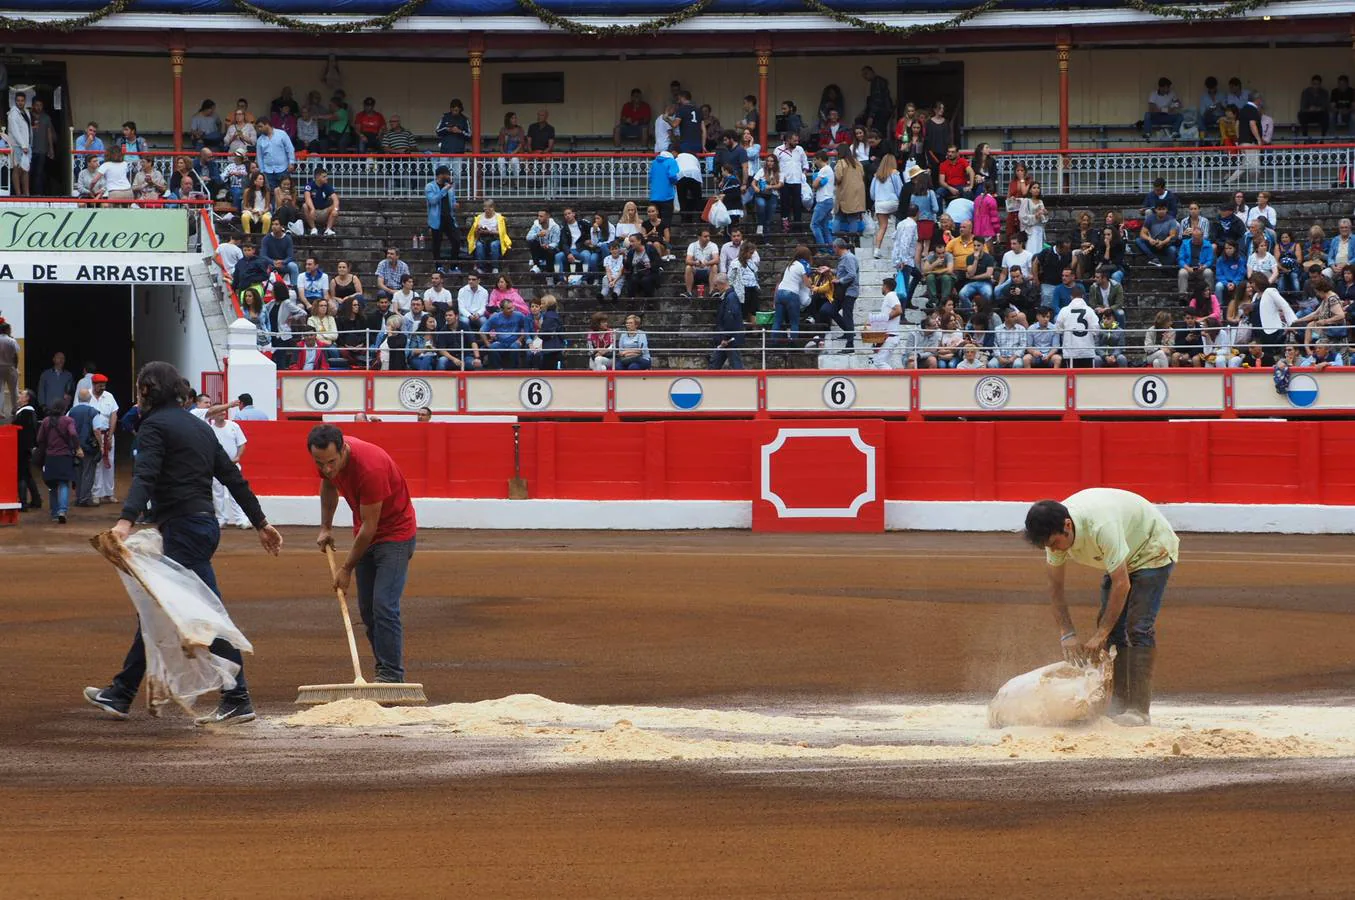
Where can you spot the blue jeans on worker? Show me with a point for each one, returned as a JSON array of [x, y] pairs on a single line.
[[820, 223], [190, 541], [786, 314], [972, 289], [380, 577], [1138, 622]]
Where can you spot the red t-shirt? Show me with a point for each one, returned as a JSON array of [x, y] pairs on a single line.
[[639, 115], [952, 173], [371, 475], [370, 122]]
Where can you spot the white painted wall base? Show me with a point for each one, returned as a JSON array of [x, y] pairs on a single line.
[[680, 515]]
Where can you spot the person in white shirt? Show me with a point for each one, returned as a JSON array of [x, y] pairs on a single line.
[[437, 293], [794, 165], [1275, 313], [112, 179], [825, 189], [689, 187], [471, 302], [613, 272], [230, 253], [1017, 256], [403, 300], [105, 426], [232, 439], [20, 137], [663, 130], [1263, 210], [1078, 328], [907, 252], [891, 315], [702, 258], [1263, 262], [730, 251], [312, 283], [1009, 342]]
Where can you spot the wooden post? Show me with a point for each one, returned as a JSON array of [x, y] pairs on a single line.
[[176, 55], [1065, 49], [763, 48], [477, 61]]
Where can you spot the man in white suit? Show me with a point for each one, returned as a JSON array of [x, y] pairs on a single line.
[[20, 143]]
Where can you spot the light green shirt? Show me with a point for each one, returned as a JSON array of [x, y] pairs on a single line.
[[1113, 528]]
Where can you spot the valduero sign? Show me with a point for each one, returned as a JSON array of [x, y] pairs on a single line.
[[63, 229], [96, 268]]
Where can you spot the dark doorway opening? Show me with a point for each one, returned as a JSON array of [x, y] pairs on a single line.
[[87, 323], [924, 83]]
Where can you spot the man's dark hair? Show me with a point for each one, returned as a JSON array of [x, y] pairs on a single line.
[[323, 436], [1211, 83], [160, 384], [5, 328], [443, 170], [1044, 520], [246, 400]]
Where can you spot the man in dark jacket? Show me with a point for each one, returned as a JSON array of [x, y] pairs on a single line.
[[729, 319], [26, 417], [252, 269], [83, 414], [177, 458]]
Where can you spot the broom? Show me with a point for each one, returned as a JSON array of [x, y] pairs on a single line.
[[360, 689]]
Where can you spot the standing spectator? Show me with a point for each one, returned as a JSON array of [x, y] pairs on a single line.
[[113, 181], [665, 127], [390, 273], [1267, 123], [25, 417], [792, 295], [274, 153], [283, 120], [1158, 238], [321, 203], [453, 130], [543, 240], [59, 447], [550, 331], [711, 129], [1274, 314], [1249, 137], [743, 279], [232, 439], [846, 288], [307, 131], [1315, 107], [633, 125], [663, 180], [632, 347], [1033, 216], [105, 427], [789, 120], [749, 120], [20, 138], [440, 197], [879, 102], [84, 414], [370, 125], [398, 139], [767, 193], [339, 135], [849, 195], [691, 127], [1211, 107], [794, 166], [488, 238], [729, 322], [43, 146], [56, 384], [937, 135], [824, 187], [689, 190]]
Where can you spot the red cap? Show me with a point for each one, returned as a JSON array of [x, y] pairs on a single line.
[[99, 379]]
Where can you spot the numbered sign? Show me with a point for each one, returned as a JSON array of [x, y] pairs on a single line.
[[322, 394], [535, 394], [1150, 392], [839, 393]]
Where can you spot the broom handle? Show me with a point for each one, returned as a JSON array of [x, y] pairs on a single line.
[[347, 621]]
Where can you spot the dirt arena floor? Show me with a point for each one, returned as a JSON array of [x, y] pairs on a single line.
[[155, 808]]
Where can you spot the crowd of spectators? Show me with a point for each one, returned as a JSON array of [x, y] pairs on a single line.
[[1236, 116]]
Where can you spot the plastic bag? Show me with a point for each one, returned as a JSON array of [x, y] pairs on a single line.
[[180, 618], [719, 215], [1054, 695]]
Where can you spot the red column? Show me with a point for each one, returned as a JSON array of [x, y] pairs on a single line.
[[1065, 48], [477, 60], [176, 55], [763, 48]]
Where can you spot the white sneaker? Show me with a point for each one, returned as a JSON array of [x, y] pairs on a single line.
[[759, 231], [329, 232], [877, 253], [536, 270], [314, 232]]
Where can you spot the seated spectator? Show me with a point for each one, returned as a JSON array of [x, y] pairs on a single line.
[[390, 273], [1212, 106], [437, 298], [1263, 262], [352, 333], [251, 271], [956, 177], [1314, 107], [1009, 343], [938, 273], [307, 132], [309, 355], [412, 320], [87, 183], [504, 290], [1063, 292], [613, 272], [240, 134], [600, 341], [1340, 251], [1230, 274], [1315, 252], [575, 254], [1196, 261], [132, 144], [1043, 341], [633, 125], [285, 209], [384, 311], [312, 285], [1159, 236], [641, 266], [369, 125], [473, 303], [1321, 355], [345, 283], [1342, 102], [979, 276], [703, 257], [833, 134], [339, 135], [789, 121], [397, 139], [543, 241], [204, 130], [1227, 227], [1328, 320], [1047, 269], [1194, 219], [632, 346], [629, 222], [209, 173], [1263, 210], [149, 184], [321, 204], [488, 238], [277, 248], [1164, 109], [657, 233], [1106, 295], [235, 175], [458, 350], [1018, 257], [1201, 302], [283, 121], [402, 301], [388, 353], [422, 351], [1290, 255], [1110, 342], [256, 208], [1188, 350], [229, 252], [507, 332], [541, 134], [1159, 195]]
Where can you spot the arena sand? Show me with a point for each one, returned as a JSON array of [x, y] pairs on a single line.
[[561, 732]]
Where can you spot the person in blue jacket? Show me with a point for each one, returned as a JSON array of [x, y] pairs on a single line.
[[441, 197], [729, 319], [663, 176], [508, 332]]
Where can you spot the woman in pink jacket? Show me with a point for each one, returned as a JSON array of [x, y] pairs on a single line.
[[987, 222], [504, 290]]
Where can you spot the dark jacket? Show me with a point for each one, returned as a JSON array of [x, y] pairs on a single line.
[[551, 330], [177, 458], [27, 420], [83, 415], [56, 437], [250, 271], [272, 248], [453, 143], [729, 319], [1232, 230]]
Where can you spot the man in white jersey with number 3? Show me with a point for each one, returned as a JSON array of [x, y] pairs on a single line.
[[1078, 328], [1128, 538]]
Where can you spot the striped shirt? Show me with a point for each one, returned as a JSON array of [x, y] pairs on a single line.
[[399, 140]]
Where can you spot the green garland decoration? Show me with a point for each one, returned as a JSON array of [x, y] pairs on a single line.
[[377, 23], [18, 23], [1195, 14], [653, 26], [905, 30]]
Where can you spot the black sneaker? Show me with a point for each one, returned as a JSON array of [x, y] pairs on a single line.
[[228, 712], [109, 703]]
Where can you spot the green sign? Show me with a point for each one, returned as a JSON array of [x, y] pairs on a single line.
[[72, 229]]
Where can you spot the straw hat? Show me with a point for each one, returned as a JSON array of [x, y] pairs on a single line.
[[913, 171]]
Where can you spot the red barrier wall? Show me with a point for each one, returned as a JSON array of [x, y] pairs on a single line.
[[1196, 461], [9, 484]]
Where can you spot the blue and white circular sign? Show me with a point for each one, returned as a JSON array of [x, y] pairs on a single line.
[[685, 393], [1302, 391]]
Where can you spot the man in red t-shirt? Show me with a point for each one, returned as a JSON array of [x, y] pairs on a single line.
[[957, 178], [383, 527], [370, 125], [633, 126]]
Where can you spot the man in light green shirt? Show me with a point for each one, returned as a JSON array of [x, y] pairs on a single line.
[[1127, 538]]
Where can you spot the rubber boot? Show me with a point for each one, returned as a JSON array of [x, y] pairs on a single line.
[[1119, 685], [1140, 683]]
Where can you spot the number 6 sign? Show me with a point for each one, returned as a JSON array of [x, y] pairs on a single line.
[[322, 394], [1150, 392]]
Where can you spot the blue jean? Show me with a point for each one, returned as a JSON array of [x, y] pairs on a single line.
[[59, 497], [730, 354], [1167, 255], [584, 260], [1138, 622], [190, 541], [1289, 281], [974, 289], [820, 223], [430, 362], [786, 313], [1163, 120], [380, 577], [906, 282], [488, 251], [767, 206]]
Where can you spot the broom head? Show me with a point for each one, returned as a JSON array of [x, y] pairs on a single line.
[[392, 694]]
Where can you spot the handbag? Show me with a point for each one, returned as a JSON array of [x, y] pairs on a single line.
[[705, 213], [39, 457]]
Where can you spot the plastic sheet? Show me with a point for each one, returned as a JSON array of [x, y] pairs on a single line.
[[180, 618], [1054, 695]]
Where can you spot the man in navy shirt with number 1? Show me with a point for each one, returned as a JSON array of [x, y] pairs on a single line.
[[321, 202], [691, 128]]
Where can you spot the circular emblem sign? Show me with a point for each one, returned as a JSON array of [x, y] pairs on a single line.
[[415, 394], [992, 392]]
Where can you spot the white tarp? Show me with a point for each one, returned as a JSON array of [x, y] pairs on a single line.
[[1054, 695]]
